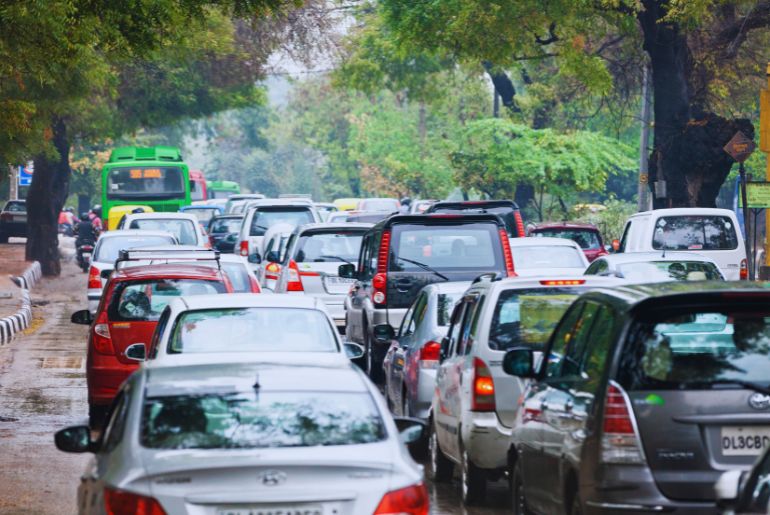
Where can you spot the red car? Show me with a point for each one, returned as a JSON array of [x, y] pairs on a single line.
[[584, 234], [130, 307]]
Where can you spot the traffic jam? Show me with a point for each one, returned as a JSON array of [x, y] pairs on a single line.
[[277, 356]]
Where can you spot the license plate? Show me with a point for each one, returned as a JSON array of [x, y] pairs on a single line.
[[87, 255], [273, 510], [336, 284], [744, 440]]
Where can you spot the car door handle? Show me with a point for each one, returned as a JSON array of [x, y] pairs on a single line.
[[404, 284]]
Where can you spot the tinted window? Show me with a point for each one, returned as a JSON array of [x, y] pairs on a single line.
[[260, 420], [145, 300], [158, 333], [670, 271], [562, 337], [160, 182], [108, 248], [547, 256], [587, 239], [571, 363], [445, 303], [446, 247], [252, 329], [694, 233], [225, 225], [507, 213], [184, 230], [328, 247], [527, 317], [597, 267]]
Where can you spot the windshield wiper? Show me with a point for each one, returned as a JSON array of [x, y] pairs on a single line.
[[424, 267], [738, 382], [337, 257]]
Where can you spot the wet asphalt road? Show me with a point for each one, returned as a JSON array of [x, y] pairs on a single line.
[[43, 388]]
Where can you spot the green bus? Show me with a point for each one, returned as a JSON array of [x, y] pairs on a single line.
[[222, 189], [154, 176]]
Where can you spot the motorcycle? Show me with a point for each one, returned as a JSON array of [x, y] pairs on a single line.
[[66, 230], [84, 253]]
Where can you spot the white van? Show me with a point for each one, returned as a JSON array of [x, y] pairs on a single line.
[[708, 231]]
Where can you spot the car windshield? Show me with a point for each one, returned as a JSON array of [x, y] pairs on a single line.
[[694, 233], [252, 330], [326, 247], [183, 229], [143, 301], [445, 303], [384, 204], [527, 317], [260, 420], [463, 247], [158, 182], [669, 271], [203, 214], [15, 207], [546, 256], [586, 238], [225, 225], [264, 218], [697, 349], [108, 248]]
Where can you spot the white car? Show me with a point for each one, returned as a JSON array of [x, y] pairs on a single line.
[[236, 203], [263, 214], [108, 246], [275, 240], [547, 256], [475, 401], [184, 226], [655, 267], [249, 438]]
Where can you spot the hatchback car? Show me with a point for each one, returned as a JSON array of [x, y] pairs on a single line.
[[263, 214], [311, 263], [474, 405], [656, 267], [547, 256], [645, 395], [183, 226], [584, 234], [133, 300], [220, 228], [403, 253], [235, 267], [13, 220], [508, 210], [241, 439]]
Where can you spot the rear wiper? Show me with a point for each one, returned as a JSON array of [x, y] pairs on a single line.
[[738, 382], [424, 267], [337, 257]]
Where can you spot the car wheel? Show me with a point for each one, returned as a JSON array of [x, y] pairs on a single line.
[[473, 481], [518, 501], [440, 467]]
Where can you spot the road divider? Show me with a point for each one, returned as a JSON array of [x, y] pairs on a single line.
[[20, 320]]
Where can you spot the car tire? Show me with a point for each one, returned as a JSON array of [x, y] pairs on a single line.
[[516, 483], [440, 468], [96, 416], [473, 480]]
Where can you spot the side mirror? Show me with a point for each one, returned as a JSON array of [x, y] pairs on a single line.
[[353, 350], [410, 429], [519, 362], [82, 317], [347, 271], [444, 349], [383, 333], [728, 487], [74, 439], [136, 352], [255, 258], [616, 245], [273, 257]]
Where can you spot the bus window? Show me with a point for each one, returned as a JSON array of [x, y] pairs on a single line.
[[162, 182]]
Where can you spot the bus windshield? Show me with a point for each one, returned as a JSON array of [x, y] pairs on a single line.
[[146, 182]]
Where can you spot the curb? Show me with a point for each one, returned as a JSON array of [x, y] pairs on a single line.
[[20, 320]]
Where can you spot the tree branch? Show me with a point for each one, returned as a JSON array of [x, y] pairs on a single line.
[[551, 38], [733, 35]]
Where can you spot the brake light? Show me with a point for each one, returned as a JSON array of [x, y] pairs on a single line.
[[101, 338], [483, 394], [87, 248], [620, 441], [244, 248], [507, 253], [380, 280], [272, 270], [382, 257], [94, 279], [563, 282], [412, 500], [519, 223], [119, 502], [744, 270], [295, 282], [429, 355]]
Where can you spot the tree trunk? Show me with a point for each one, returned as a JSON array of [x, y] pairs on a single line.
[[46, 197]]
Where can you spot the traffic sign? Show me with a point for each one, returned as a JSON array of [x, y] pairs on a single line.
[[740, 147], [757, 195], [25, 174]]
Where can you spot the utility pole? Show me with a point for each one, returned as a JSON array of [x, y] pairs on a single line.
[[643, 193], [764, 146]]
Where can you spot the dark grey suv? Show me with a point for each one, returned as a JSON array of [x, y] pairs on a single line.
[[645, 396]]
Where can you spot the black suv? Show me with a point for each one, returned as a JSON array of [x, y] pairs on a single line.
[[508, 210], [645, 396], [403, 253]]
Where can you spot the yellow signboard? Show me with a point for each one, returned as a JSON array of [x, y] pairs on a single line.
[[758, 195]]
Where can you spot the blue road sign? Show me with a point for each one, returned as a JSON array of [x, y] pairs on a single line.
[[25, 175]]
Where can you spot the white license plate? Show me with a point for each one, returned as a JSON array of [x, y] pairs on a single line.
[[273, 510], [744, 440], [336, 284]]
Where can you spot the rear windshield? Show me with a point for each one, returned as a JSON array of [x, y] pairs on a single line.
[[238, 275], [586, 238], [264, 218], [108, 248], [463, 247], [694, 233], [670, 271], [384, 204], [184, 230], [701, 349], [225, 225], [203, 214], [507, 213], [15, 207], [445, 304], [329, 247], [143, 301], [527, 317], [250, 420], [546, 256], [252, 330]]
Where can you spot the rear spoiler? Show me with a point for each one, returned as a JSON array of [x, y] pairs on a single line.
[[166, 255]]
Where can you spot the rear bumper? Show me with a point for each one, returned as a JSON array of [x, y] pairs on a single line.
[[486, 440]]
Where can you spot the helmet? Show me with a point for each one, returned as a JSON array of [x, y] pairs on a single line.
[[84, 216], [406, 201]]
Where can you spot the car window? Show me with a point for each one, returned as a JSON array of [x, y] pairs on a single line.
[[264, 218], [225, 225], [15, 207], [562, 337], [107, 249], [143, 301], [184, 230], [238, 276], [594, 360], [403, 330], [695, 232], [572, 361], [587, 239], [270, 419], [158, 333], [328, 247], [446, 247], [546, 256], [670, 271], [597, 267], [471, 308], [445, 303], [470, 335], [454, 331], [420, 309], [252, 330], [116, 421]]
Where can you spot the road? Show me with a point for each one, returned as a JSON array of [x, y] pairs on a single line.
[[43, 388]]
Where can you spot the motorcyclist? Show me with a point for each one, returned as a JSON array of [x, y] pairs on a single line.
[[86, 235], [96, 220]]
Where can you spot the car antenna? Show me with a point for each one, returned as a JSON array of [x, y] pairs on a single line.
[[256, 384]]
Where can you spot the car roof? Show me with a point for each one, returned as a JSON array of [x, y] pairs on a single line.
[[228, 215], [333, 225], [160, 215], [471, 204], [438, 219], [246, 300], [279, 202], [170, 271], [531, 241], [229, 377], [133, 233], [646, 257], [246, 196], [563, 225], [686, 211]]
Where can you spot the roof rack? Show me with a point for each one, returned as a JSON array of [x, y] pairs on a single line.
[[166, 254], [488, 277]]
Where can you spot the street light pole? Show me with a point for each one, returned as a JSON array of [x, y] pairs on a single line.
[[643, 192]]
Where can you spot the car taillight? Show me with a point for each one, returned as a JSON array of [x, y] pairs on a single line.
[[562, 282], [519, 223], [94, 279], [244, 248], [87, 248], [380, 280], [620, 441], [412, 500], [483, 394], [119, 502], [744, 270], [102, 340], [272, 270], [429, 355], [295, 281], [254, 285], [507, 253]]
